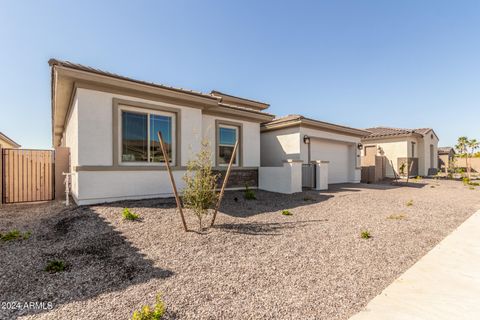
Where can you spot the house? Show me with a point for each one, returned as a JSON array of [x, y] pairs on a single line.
[[416, 148], [6, 142], [109, 123], [446, 157], [313, 142]]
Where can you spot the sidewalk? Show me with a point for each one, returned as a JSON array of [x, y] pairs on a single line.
[[444, 284]]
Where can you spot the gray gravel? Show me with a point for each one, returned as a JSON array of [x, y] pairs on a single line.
[[255, 264]]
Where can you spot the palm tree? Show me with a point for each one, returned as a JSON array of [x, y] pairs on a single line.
[[473, 145], [462, 148]]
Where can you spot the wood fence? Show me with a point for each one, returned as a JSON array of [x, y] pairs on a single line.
[[27, 175]]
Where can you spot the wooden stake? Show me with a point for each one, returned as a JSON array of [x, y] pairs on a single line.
[[174, 187], [409, 170], [225, 180], [394, 172]]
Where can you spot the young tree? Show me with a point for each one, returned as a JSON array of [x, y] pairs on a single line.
[[473, 145], [462, 148], [199, 194]]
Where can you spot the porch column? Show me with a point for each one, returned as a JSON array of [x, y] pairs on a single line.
[[321, 174]]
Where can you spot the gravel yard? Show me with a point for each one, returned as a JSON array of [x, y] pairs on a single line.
[[255, 264]]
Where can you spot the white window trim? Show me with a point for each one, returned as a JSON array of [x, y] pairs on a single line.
[[148, 112], [237, 132]]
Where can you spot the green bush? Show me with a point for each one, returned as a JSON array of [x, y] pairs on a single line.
[[286, 213], [410, 203], [365, 235], [128, 215], [199, 194], [148, 314], [249, 193], [54, 266], [15, 235], [396, 217]]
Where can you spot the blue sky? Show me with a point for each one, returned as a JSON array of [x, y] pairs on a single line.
[[356, 63]]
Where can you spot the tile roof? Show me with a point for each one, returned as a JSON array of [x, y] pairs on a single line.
[[445, 150], [380, 132], [296, 118], [77, 66]]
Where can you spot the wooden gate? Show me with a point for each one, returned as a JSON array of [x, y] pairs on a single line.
[[27, 175]]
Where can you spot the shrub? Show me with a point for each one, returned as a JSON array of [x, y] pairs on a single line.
[[286, 213], [54, 266], [471, 188], [466, 181], [148, 314], [410, 203], [365, 235], [15, 235], [307, 198], [396, 217], [249, 193], [418, 178], [199, 194], [128, 215]]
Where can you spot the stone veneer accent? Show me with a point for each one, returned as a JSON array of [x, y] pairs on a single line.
[[239, 178]]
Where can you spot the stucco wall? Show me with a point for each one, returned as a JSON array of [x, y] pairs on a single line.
[[96, 120], [339, 149], [89, 135], [424, 159], [392, 150], [280, 145], [250, 151], [5, 144], [70, 140]]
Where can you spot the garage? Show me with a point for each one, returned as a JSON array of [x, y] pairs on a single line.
[[340, 156], [318, 145]]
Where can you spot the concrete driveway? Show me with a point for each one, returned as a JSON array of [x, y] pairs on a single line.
[[444, 284]]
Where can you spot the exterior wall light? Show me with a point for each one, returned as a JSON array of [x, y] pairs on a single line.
[[306, 139], [359, 146]]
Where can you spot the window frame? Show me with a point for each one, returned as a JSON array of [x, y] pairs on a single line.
[[239, 131], [140, 107]]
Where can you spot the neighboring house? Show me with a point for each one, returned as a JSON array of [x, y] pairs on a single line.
[[399, 146], [299, 138], [6, 142], [445, 157], [109, 123]]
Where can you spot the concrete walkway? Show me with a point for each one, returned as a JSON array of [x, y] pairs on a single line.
[[444, 284]]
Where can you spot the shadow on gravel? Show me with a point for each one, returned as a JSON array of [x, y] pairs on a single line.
[[264, 229], [99, 260], [386, 185]]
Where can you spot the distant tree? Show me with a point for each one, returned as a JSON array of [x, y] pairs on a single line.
[[462, 148], [467, 149]]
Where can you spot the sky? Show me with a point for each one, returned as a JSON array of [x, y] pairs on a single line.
[[407, 64]]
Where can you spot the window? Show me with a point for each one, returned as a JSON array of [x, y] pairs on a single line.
[[413, 149], [140, 136], [227, 136]]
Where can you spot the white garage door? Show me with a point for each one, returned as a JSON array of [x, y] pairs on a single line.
[[340, 155]]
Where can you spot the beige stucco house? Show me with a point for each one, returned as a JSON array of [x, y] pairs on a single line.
[[417, 146], [298, 138], [446, 156], [109, 123], [6, 142]]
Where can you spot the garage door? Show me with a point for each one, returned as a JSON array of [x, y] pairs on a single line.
[[340, 155]]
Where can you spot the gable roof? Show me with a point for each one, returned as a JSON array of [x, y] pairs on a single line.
[[387, 132], [445, 150], [299, 120], [67, 77], [10, 141]]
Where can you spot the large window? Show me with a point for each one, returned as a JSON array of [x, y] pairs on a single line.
[[227, 136], [140, 136]]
